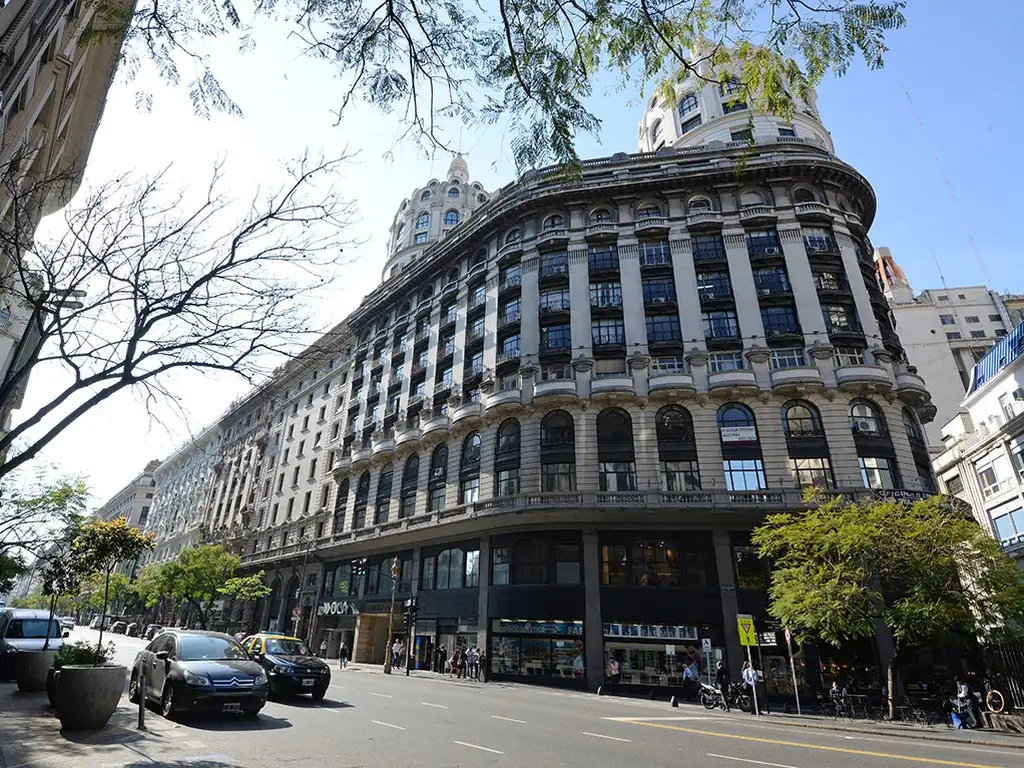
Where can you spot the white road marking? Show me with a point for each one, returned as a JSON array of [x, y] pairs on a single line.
[[435, 706], [610, 738], [388, 725], [746, 760], [651, 719], [477, 746], [383, 695], [508, 719]]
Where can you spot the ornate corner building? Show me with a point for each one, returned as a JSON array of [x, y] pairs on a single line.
[[559, 417]]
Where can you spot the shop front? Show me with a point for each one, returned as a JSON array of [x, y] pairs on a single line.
[[662, 655], [546, 652]]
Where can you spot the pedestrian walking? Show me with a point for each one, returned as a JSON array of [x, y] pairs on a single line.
[[442, 659], [722, 684], [481, 665], [471, 660], [323, 648], [463, 663], [454, 662], [343, 655], [614, 672]]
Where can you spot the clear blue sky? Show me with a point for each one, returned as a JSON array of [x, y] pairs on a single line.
[[958, 62]]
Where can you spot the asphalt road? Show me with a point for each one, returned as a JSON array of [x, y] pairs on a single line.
[[370, 720]]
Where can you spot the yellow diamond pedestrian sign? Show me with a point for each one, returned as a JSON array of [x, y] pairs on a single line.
[[745, 625]]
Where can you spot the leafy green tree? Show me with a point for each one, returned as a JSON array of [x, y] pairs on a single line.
[[198, 575], [924, 570], [533, 63], [246, 589], [101, 545], [64, 570]]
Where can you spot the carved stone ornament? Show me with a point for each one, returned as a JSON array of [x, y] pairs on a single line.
[[582, 364], [487, 386], [821, 351], [454, 401], [697, 357], [638, 361], [758, 354], [881, 354]]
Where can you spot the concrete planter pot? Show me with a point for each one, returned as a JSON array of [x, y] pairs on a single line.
[[88, 696], [51, 686], [31, 668]]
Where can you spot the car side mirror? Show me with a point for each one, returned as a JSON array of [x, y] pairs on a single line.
[[256, 655], [163, 655]]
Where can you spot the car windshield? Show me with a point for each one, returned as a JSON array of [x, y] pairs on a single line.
[[284, 647], [204, 648], [22, 629]]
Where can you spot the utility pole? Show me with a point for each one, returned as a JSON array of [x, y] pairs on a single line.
[[391, 615]]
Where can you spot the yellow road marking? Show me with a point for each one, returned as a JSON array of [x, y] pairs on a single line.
[[758, 739]]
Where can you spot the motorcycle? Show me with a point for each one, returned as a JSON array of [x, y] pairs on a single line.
[[711, 697]]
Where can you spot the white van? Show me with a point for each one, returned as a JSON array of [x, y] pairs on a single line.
[[25, 629]]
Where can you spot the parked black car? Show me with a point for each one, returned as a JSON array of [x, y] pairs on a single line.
[[199, 671], [291, 666]]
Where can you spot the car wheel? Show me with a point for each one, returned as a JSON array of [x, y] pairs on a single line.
[[167, 701], [133, 687], [319, 694]]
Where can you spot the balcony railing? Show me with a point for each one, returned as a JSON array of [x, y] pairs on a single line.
[[714, 290], [442, 386], [831, 283], [609, 338], [508, 355], [651, 257], [816, 245], [510, 281], [707, 253], [509, 317], [666, 336], [781, 329], [474, 334], [763, 248], [773, 287], [552, 270], [555, 346], [654, 300], [554, 305]]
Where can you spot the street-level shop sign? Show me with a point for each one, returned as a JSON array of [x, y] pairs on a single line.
[[745, 626], [650, 631], [739, 434], [525, 627], [338, 608]]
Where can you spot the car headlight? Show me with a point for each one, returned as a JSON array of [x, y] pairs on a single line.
[[193, 679], [260, 680]]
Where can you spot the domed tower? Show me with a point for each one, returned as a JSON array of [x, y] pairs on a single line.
[[891, 279], [715, 111], [430, 213]]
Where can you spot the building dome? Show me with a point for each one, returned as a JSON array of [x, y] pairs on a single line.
[[430, 213], [709, 107]]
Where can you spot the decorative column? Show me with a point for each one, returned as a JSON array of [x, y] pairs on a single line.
[[593, 627], [730, 604]]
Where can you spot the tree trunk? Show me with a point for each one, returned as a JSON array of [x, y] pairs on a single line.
[[103, 615], [891, 675], [53, 604], [202, 614]]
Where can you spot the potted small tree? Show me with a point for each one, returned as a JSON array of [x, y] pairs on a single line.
[[87, 694]]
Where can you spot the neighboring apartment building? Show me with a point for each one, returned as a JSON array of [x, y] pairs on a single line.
[[183, 484], [983, 460], [54, 80], [134, 501], [945, 333]]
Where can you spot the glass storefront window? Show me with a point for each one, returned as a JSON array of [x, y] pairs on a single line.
[[537, 657], [567, 564], [499, 566], [659, 665], [473, 568], [655, 564], [749, 568], [614, 568]]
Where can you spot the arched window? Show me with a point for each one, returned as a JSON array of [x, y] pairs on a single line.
[[866, 419], [480, 257], [453, 192], [554, 222], [801, 419], [423, 221], [340, 506], [453, 275], [656, 131], [506, 459], [410, 483], [648, 211], [752, 197], [362, 499], [616, 464], [914, 432], [382, 505], [400, 232], [451, 218], [600, 216], [513, 237], [469, 470], [700, 205], [677, 450], [438, 478], [426, 293], [406, 308], [688, 104], [741, 450], [802, 195], [425, 195], [481, 198], [557, 452]]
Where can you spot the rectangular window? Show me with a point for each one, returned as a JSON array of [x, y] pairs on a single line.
[[837, 318], [436, 499], [273, 514], [666, 365], [280, 482], [305, 423], [1016, 448], [878, 472], [763, 242], [291, 431], [607, 294], [816, 472], [819, 240], [558, 477], [995, 475], [335, 430], [787, 132], [295, 476], [720, 325], [325, 493], [749, 568], [617, 476], [556, 300], [689, 125], [679, 476], [779, 320], [603, 258], [508, 482], [499, 566], [947, 320], [607, 332], [659, 291], [943, 298], [567, 563], [953, 336], [1009, 527], [312, 469], [707, 247], [301, 451], [307, 501], [291, 508], [420, 237], [725, 361], [614, 565], [663, 328], [654, 253], [555, 372], [972, 319], [977, 334], [713, 285], [995, 318], [772, 281], [554, 264], [469, 491], [744, 134], [427, 573], [556, 337], [787, 358], [744, 475], [849, 356], [954, 484], [472, 568]]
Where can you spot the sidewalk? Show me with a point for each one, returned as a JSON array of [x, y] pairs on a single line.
[[31, 737]]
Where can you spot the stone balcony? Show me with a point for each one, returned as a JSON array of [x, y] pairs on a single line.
[[554, 388], [503, 398], [382, 444], [651, 224], [742, 379], [812, 211], [361, 455], [704, 217], [342, 462], [863, 377], [612, 385], [432, 425], [465, 411], [553, 235], [911, 385], [757, 213], [796, 379], [407, 435], [671, 382]]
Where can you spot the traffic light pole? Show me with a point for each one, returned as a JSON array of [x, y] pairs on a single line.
[[391, 617]]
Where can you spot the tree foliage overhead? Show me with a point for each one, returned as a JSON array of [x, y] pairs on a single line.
[[923, 569], [198, 576], [246, 588], [534, 63]]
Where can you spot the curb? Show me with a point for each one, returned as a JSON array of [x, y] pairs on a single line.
[[908, 734]]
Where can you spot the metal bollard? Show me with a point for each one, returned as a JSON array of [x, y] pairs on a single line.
[[142, 698]]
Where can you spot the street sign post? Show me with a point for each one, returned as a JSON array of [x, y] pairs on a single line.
[[705, 649], [748, 639]]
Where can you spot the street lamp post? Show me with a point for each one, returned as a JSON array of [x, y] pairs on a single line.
[[391, 616]]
